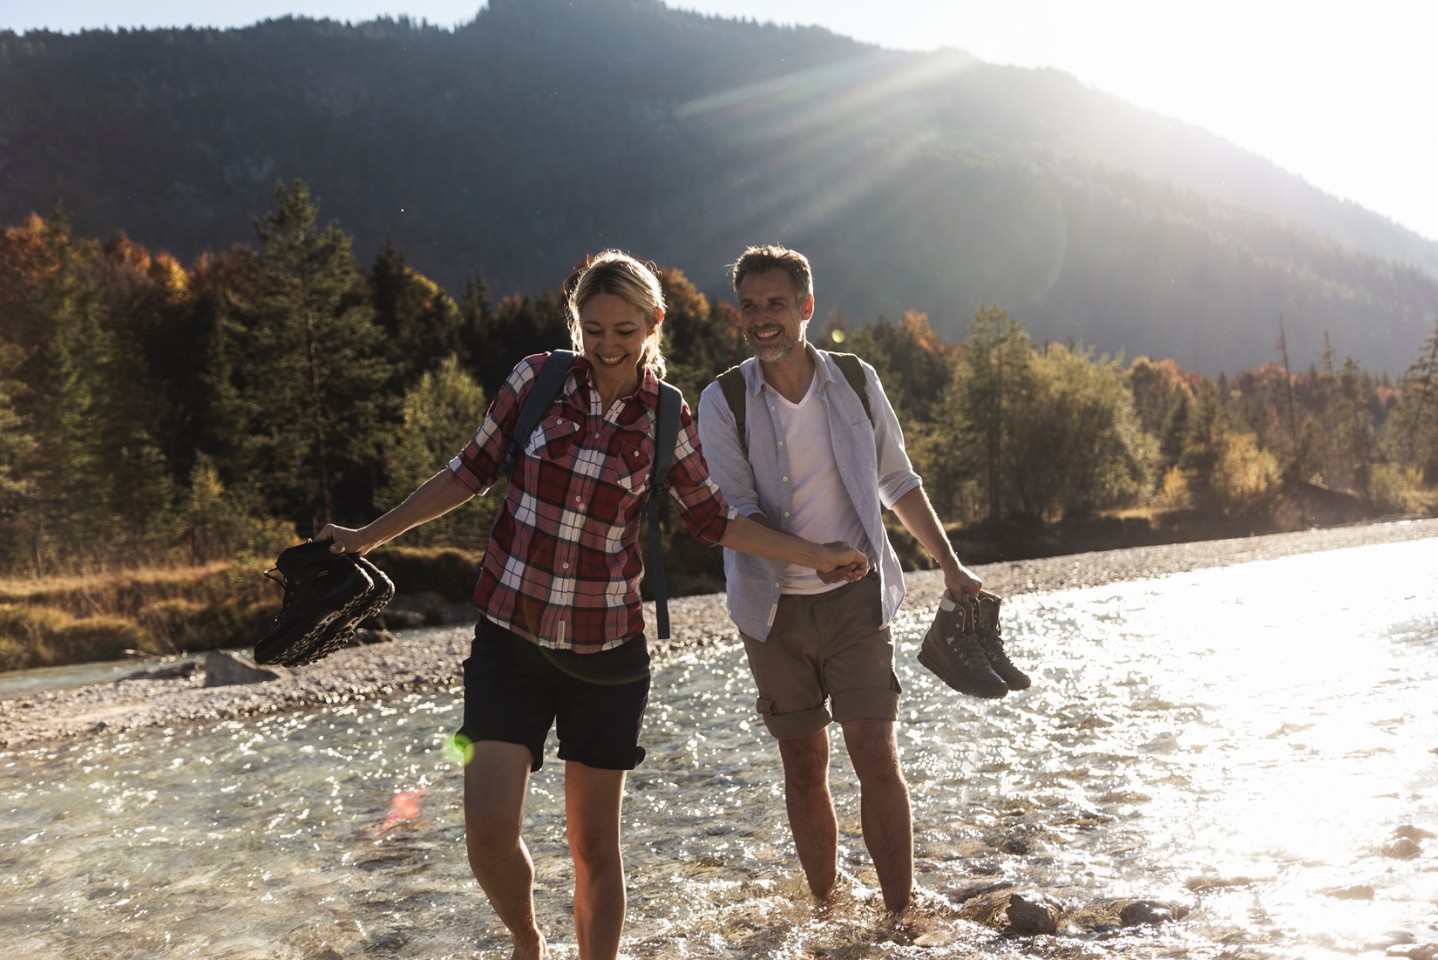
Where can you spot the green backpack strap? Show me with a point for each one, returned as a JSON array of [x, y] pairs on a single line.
[[731, 381], [666, 437], [854, 373], [546, 386]]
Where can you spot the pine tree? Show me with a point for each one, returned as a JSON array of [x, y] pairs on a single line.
[[422, 324], [993, 383], [299, 370]]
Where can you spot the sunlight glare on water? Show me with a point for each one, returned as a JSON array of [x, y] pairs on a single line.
[[1253, 747]]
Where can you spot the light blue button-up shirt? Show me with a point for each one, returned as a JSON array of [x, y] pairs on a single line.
[[871, 460]]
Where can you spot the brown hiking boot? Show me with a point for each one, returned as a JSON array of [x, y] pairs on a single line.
[[988, 630], [951, 650]]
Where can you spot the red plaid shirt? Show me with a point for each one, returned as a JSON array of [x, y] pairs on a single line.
[[563, 563]]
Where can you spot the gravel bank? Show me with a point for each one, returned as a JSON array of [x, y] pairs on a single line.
[[362, 673]]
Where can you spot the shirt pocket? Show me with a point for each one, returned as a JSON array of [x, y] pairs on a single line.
[[629, 464], [554, 440]]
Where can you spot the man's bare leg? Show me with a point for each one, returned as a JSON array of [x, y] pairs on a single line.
[[592, 800], [884, 807], [495, 783], [811, 809]]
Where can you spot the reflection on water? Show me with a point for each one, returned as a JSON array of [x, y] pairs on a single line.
[[1253, 745]]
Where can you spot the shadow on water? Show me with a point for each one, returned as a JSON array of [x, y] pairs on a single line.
[[1231, 763]]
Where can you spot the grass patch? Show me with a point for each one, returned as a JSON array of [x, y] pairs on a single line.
[[109, 614], [34, 636]]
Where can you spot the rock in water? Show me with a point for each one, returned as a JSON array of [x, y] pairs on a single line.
[[1145, 911], [1031, 913], [223, 669], [1403, 849]]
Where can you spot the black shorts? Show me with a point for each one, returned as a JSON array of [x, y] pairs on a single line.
[[514, 690]]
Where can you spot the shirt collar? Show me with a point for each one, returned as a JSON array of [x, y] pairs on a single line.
[[648, 392]]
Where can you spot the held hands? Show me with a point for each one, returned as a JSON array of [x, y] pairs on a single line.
[[847, 563]]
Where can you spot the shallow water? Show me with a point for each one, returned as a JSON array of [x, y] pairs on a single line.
[[1245, 744]]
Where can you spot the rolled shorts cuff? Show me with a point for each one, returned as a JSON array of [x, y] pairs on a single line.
[[602, 757], [869, 704], [796, 725]]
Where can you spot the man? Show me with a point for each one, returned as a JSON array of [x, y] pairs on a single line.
[[812, 462]]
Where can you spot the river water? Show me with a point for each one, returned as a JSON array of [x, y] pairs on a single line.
[[1255, 747]]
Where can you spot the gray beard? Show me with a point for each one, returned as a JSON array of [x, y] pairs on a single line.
[[774, 352]]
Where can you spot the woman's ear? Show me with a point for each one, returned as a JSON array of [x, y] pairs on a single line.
[[658, 316]]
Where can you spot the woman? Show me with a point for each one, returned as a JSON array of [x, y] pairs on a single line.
[[560, 640]]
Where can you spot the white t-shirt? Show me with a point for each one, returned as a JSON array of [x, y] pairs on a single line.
[[822, 511]]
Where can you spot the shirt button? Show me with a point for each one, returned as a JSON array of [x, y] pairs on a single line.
[[786, 513], [578, 499], [566, 566], [781, 443], [786, 479]]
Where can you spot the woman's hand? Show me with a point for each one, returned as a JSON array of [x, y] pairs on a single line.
[[344, 539]]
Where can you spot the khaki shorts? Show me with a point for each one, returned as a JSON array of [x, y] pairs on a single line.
[[825, 652]]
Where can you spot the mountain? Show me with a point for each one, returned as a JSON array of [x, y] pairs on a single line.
[[545, 129]]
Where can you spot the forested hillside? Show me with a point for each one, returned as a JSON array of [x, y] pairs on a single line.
[[542, 130]]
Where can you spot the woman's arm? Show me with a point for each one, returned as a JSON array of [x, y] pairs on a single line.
[[750, 536], [437, 496]]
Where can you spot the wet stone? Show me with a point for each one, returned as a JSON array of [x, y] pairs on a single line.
[[1146, 912], [1403, 849], [1032, 913], [1359, 891]]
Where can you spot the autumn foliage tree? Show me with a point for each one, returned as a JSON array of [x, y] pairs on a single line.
[[154, 412]]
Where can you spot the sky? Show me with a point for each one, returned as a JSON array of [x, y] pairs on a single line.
[[1338, 92]]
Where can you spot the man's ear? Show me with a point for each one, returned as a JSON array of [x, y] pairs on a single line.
[[807, 307]]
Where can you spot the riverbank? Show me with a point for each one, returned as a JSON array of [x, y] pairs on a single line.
[[432, 661]]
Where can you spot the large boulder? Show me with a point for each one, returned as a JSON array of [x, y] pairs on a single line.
[[224, 669]]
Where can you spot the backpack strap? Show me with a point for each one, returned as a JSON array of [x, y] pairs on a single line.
[[546, 386], [854, 373], [731, 381], [666, 437]]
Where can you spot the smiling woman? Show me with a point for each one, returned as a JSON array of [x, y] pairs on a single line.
[[615, 312]]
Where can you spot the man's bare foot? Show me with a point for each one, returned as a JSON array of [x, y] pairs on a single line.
[[536, 949]]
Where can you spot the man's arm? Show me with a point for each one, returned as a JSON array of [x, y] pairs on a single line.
[[917, 515]]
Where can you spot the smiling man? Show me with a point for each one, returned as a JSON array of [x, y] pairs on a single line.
[[800, 448]]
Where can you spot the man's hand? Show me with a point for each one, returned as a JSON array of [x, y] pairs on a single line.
[[961, 581], [851, 564]]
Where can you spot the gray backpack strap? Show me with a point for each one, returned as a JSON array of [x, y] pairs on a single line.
[[666, 438], [546, 386], [731, 381]]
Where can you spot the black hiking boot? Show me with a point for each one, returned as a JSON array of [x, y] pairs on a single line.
[[993, 644], [326, 595], [951, 651], [381, 593]]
